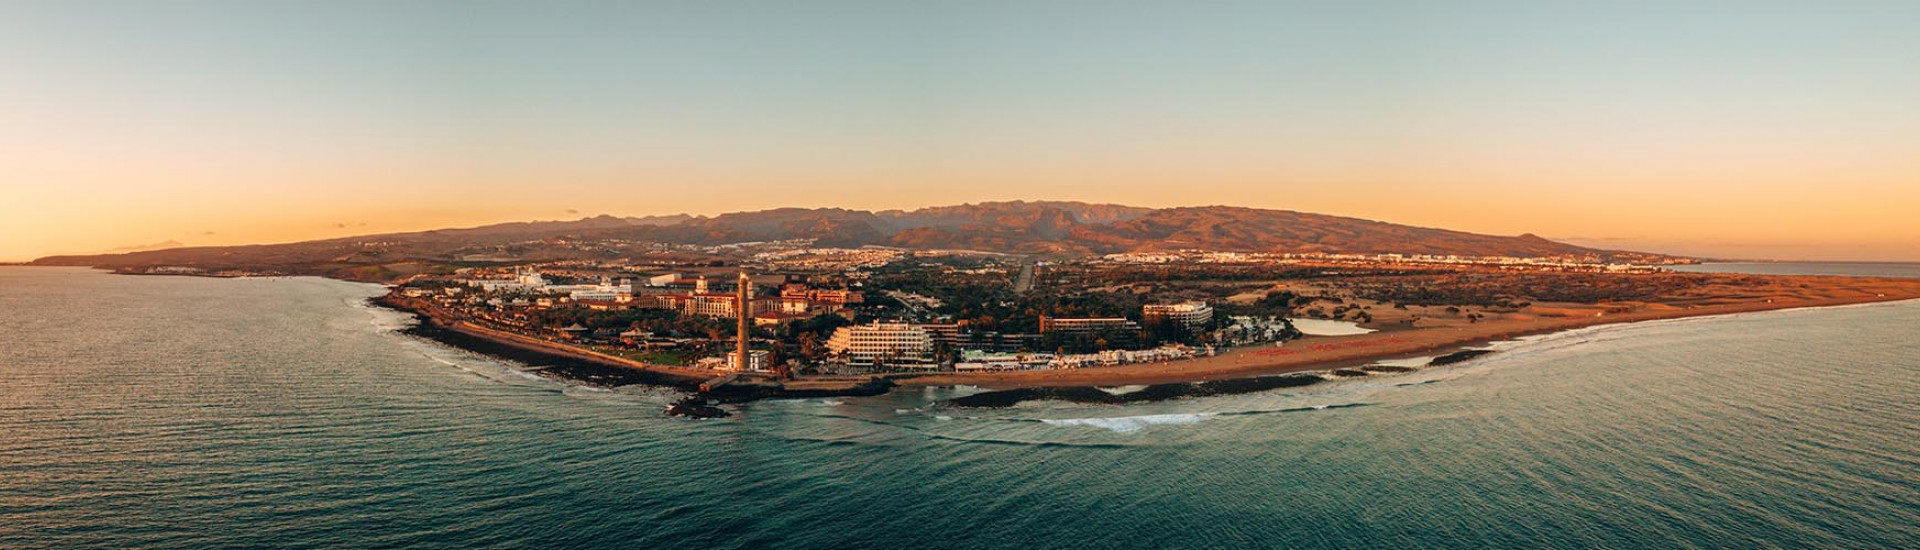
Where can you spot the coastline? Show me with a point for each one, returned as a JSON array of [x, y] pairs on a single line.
[[1340, 352], [1235, 371], [1236, 368], [563, 361], [602, 370]]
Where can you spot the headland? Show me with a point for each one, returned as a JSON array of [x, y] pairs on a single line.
[[1301, 361]]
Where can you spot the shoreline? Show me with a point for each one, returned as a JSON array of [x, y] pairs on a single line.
[[1339, 352], [1256, 380], [1242, 367], [601, 370], [567, 361], [1238, 370], [572, 368]]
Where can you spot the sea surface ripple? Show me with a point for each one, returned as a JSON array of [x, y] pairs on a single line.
[[172, 412]]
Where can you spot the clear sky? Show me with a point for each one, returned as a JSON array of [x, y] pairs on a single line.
[[1737, 129]]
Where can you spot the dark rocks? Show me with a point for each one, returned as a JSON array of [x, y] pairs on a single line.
[[696, 406], [1458, 356]]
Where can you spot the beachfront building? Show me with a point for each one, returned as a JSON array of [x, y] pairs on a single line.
[[1106, 358], [1087, 324], [891, 344], [976, 361], [1194, 315], [943, 334]]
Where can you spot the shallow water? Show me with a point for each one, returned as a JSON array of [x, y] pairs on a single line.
[[167, 412]]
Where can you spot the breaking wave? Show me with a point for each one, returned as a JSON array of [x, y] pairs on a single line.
[[1130, 424]]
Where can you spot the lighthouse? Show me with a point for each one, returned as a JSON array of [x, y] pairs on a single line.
[[744, 361]]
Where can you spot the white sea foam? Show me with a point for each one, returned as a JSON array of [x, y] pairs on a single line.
[[581, 391], [484, 368], [1122, 390], [1405, 362], [383, 319], [1130, 424]]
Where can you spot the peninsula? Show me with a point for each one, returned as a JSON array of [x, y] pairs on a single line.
[[1037, 297]]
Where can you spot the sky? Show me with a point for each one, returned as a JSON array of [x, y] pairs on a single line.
[[1751, 129]]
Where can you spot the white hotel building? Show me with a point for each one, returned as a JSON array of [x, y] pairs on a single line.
[[894, 344]]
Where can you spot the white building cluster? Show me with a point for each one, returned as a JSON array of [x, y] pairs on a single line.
[[524, 280]]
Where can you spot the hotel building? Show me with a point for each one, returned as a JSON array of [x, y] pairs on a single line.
[[894, 344], [1194, 315]]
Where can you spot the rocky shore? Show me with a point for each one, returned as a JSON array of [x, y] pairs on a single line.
[[592, 368]]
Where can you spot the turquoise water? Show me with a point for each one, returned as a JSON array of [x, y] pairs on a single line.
[[167, 412]]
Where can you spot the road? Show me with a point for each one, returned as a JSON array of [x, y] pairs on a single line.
[[1024, 282]]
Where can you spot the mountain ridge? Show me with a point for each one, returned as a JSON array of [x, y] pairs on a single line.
[[1046, 228]]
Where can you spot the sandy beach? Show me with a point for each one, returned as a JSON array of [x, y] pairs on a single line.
[[1327, 352], [1396, 335]]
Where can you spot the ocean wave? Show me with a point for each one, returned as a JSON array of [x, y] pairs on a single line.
[[383, 319], [1022, 443], [1307, 408], [1131, 424], [1134, 424], [486, 369]]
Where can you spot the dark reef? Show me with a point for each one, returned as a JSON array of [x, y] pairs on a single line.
[[1458, 356]]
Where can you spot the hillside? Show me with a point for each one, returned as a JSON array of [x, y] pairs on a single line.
[[1059, 229]]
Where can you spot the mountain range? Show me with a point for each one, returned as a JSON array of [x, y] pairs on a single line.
[[1044, 228]]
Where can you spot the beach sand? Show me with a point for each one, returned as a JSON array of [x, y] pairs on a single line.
[[1328, 352], [1417, 331]]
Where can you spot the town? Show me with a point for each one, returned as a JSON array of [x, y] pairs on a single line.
[[792, 310]]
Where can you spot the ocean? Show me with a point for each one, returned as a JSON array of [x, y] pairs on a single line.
[[177, 412]]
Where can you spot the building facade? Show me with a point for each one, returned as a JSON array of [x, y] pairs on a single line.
[[892, 344], [1194, 315], [1087, 324]]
